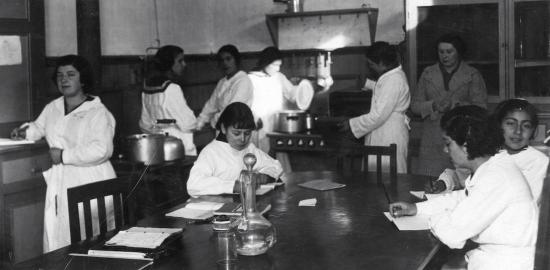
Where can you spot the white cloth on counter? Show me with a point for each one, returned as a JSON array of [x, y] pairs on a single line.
[[235, 89], [271, 94], [86, 137], [495, 210], [219, 165], [386, 123], [169, 104]]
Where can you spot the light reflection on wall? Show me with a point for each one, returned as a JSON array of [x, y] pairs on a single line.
[[334, 43]]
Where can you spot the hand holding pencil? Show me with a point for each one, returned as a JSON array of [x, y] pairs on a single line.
[[399, 209]]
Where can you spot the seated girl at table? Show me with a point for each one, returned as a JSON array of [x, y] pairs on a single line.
[[495, 209], [219, 164], [518, 120]]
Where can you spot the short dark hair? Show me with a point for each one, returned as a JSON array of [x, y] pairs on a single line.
[[230, 49], [237, 115], [470, 126], [82, 65], [268, 56], [515, 104], [383, 52], [165, 56], [455, 40]]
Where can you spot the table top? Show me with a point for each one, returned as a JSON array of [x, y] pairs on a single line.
[[345, 230]]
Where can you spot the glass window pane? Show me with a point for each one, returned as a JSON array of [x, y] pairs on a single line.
[[13, 9]]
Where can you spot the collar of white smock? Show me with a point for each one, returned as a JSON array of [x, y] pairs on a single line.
[[391, 71], [87, 105]]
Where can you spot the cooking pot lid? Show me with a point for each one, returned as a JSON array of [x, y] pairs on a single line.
[[143, 136], [304, 94]]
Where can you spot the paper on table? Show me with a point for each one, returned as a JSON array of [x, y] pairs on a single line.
[[204, 205], [410, 223], [308, 202], [140, 237], [418, 194], [263, 189], [7, 142], [321, 184], [430, 196], [191, 213]]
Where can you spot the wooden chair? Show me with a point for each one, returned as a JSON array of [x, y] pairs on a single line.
[[364, 153], [542, 253], [117, 187]]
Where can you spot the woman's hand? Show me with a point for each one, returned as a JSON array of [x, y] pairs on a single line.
[[437, 186], [399, 209], [56, 155], [442, 105]]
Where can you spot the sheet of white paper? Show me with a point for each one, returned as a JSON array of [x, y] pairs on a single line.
[[10, 50], [7, 142], [204, 205], [263, 189], [141, 237], [410, 223], [308, 202], [191, 213], [430, 196], [418, 194]]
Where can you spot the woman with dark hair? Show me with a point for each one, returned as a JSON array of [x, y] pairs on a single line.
[[273, 92], [219, 164], [441, 87], [79, 130], [235, 86], [386, 123], [495, 209], [163, 99]]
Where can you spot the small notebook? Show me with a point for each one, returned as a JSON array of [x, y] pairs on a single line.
[[321, 184], [142, 237]]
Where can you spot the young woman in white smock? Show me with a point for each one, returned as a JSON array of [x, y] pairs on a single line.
[[386, 123], [495, 209], [163, 99], [235, 86], [219, 164], [79, 131]]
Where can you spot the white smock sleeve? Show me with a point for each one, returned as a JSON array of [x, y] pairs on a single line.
[[210, 108], [177, 105], [202, 180], [37, 129], [145, 121], [267, 165], [388, 92], [98, 146]]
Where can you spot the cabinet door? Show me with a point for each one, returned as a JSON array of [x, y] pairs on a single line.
[[530, 50], [479, 22], [22, 61]]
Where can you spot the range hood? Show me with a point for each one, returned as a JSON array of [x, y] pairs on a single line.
[[324, 30]]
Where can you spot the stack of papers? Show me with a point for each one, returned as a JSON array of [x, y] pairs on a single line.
[[196, 210], [410, 223], [321, 184], [308, 202], [142, 237]]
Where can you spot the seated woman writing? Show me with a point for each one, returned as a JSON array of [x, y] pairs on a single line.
[[495, 209], [219, 164]]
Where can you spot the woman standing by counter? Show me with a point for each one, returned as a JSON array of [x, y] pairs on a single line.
[[441, 87], [272, 90], [79, 130], [235, 86], [163, 99]]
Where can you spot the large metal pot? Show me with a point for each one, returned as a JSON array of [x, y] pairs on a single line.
[[146, 148], [291, 121], [173, 148]]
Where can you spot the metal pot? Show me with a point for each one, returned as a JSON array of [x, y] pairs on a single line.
[[291, 121], [173, 148], [146, 148]]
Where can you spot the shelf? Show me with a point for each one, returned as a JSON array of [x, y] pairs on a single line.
[[326, 29], [521, 63]]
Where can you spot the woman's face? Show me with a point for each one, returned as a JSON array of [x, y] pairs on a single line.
[[457, 153], [237, 138], [179, 65], [274, 67], [227, 63], [68, 81], [448, 55], [517, 129]]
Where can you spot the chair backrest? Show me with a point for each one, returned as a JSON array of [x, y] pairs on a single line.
[[379, 152], [117, 188], [542, 254]]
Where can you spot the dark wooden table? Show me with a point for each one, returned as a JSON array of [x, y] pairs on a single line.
[[345, 230]]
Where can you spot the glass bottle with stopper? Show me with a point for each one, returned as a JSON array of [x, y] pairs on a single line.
[[255, 234]]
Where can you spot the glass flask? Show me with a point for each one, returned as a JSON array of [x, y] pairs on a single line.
[[254, 233]]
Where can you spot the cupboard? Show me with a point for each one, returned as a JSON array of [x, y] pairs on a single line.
[[508, 42]]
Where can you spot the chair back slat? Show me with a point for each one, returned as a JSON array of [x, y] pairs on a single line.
[[379, 152], [88, 219], [102, 215], [117, 188]]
